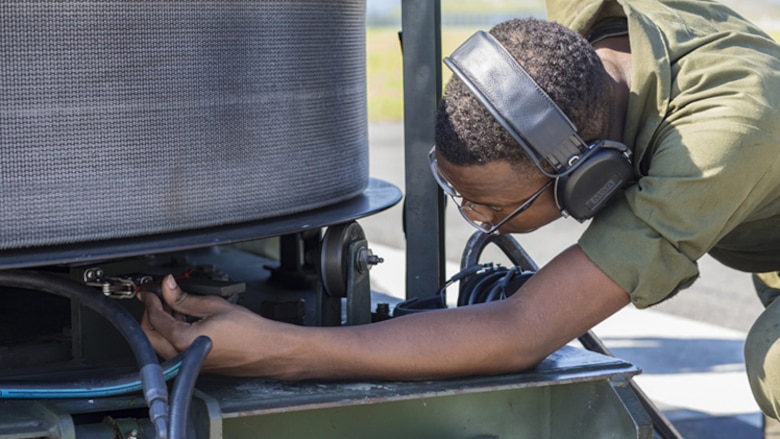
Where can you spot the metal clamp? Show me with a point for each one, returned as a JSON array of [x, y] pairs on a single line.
[[112, 286]]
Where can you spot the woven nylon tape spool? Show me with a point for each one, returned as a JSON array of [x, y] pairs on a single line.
[[122, 118]]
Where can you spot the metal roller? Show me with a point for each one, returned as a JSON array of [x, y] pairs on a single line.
[[335, 257]]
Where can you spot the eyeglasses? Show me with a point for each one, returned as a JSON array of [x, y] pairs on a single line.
[[471, 211]]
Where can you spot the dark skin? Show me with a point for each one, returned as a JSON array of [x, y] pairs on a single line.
[[562, 301]]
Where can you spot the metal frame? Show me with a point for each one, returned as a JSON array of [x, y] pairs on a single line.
[[424, 204], [556, 400]]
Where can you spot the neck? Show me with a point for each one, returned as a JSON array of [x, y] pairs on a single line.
[[615, 54]]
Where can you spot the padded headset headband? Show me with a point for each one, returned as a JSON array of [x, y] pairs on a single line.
[[518, 103]]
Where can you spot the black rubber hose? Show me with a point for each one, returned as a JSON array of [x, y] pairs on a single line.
[[184, 385], [155, 390]]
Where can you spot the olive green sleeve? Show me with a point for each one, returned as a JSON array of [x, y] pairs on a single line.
[[706, 178], [702, 122], [581, 15]]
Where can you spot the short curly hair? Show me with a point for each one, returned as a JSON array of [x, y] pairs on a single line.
[[564, 65]]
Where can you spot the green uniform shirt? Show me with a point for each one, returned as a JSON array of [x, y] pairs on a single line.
[[704, 124]]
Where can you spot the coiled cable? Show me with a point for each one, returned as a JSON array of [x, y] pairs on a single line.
[[479, 283], [494, 283]]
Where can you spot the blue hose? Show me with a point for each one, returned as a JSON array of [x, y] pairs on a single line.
[[85, 388]]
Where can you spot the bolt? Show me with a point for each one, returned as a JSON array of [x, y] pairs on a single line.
[[374, 259], [93, 274], [383, 309], [366, 259]]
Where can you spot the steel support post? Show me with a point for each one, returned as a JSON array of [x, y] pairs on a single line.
[[424, 203]]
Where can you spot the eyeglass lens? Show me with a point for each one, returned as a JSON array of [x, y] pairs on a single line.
[[471, 211]]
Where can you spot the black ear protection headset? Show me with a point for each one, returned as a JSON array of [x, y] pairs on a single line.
[[586, 175]]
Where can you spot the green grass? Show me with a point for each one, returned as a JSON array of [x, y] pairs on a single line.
[[494, 6], [384, 71], [384, 68]]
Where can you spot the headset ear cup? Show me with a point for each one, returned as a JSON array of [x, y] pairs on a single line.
[[588, 188]]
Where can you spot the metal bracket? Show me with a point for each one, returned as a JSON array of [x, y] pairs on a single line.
[[358, 284], [113, 286], [345, 261]]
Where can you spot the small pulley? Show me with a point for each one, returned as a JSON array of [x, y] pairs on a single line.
[[344, 246]]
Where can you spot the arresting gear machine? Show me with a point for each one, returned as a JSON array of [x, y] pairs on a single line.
[[146, 138], [88, 387]]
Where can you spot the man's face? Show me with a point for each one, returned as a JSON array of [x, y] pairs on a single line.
[[494, 191]]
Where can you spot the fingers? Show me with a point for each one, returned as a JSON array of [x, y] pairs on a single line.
[[168, 334], [188, 304], [161, 345]]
